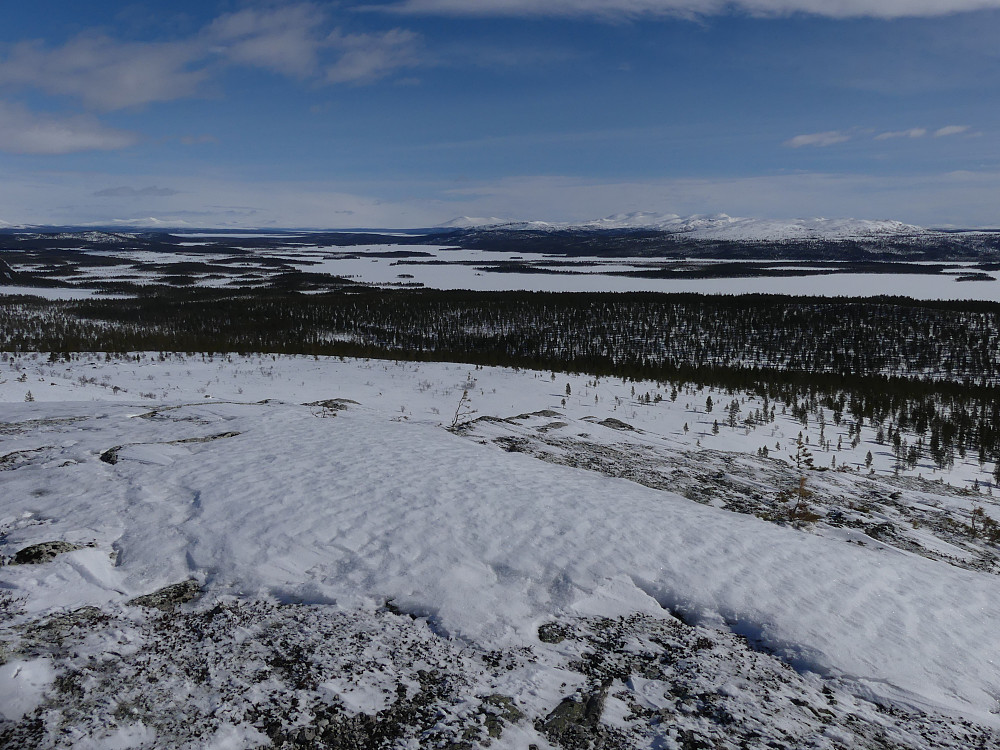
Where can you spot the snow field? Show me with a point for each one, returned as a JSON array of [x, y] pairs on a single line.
[[376, 502]]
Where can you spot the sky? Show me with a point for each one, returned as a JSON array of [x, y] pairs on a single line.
[[410, 113]]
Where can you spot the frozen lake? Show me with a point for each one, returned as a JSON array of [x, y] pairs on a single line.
[[464, 269], [397, 264]]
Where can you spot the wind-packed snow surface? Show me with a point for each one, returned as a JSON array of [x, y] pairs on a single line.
[[353, 505]]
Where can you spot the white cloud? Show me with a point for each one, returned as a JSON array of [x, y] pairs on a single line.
[[911, 133], [104, 73], [828, 138], [126, 191], [367, 57], [613, 9], [950, 130], [108, 74], [23, 132], [284, 40]]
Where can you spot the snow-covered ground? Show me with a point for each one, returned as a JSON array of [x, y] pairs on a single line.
[[536, 554]]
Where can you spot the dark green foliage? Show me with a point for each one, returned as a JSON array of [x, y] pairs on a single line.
[[930, 368]]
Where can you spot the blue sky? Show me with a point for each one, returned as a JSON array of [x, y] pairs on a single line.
[[405, 113]]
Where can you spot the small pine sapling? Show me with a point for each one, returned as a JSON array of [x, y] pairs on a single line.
[[462, 411]]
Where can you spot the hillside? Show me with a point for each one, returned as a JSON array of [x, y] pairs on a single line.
[[298, 552]]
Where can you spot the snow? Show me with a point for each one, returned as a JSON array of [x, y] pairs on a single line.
[[376, 502], [454, 276], [724, 227], [449, 267], [124, 738], [152, 222], [231, 737], [711, 226], [470, 222], [22, 686], [462, 269], [369, 698], [235, 235]]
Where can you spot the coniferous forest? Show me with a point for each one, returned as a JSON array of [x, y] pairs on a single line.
[[900, 366]]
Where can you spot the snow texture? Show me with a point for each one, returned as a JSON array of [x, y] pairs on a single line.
[[242, 474]]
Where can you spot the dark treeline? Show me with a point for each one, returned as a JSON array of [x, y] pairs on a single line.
[[974, 247], [656, 244], [924, 368]]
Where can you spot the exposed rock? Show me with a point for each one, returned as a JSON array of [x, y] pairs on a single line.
[[169, 597], [110, 456], [206, 439], [543, 413], [189, 672], [513, 444], [500, 709], [333, 404], [42, 553], [577, 723], [552, 632], [616, 424]]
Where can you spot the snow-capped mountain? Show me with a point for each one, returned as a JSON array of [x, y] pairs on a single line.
[[723, 226], [151, 222], [713, 226], [472, 222]]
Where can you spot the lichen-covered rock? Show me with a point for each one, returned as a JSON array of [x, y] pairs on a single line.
[[500, 709], [333, 404], [577, 723], [110, 456], [169, 596], [616, 424], [42, 553], [552, 632]]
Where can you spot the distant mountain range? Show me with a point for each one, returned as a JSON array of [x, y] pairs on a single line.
[[697, 227], [712, 226]]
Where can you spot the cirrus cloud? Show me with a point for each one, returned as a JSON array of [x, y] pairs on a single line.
[[126, 191], [284, 40], [616, 9], [103, 73], [24, 132], [826, 138], [911, 133], [106, 74], [367, 57]]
